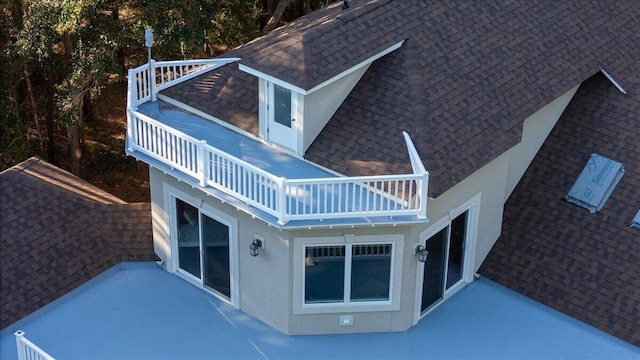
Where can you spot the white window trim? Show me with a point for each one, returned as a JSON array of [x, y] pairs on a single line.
[[473, 206], [170, 194], [299, 306]]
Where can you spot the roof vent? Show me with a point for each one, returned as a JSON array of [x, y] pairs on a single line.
[[596, 183], [636, 221]]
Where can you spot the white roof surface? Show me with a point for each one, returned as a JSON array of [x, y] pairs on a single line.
[[140, 311]]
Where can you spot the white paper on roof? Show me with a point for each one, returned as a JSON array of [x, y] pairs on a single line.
[[636, 221], [596, 183]]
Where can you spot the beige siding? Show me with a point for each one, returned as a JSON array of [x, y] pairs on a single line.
[[263, 280], [320, 105], [496, 180], [266, 282]]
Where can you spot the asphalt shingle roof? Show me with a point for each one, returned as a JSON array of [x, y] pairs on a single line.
[[463, 82], [585, 265], [58, 231]]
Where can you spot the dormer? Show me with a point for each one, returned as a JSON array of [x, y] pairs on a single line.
[[291, 117]]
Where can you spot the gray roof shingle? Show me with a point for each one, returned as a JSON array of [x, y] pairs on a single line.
[[58, 231], [585, 265], [463, 82]]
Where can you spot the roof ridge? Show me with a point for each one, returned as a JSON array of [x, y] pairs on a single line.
[[38, 174]]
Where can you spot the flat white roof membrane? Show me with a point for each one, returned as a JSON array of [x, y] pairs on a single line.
[[596, 183]]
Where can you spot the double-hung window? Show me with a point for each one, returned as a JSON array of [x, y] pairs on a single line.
[[347, 273]]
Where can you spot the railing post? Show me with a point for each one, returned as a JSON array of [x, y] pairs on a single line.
[[282, 201], [129, 138], [152, 79], [19, 336], [131, 89], [202, 162], [424, 194]]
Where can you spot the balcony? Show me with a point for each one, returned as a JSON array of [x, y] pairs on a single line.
[[269, 183]]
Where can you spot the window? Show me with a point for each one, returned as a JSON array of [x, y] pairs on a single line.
[[349, 273], [282, 105], [325, 269]]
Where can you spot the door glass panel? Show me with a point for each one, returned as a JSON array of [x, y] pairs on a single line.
[[434, 268], [215, 240], [370, 272], [456, 250], [188, 238], [324, 274], [282, 105]]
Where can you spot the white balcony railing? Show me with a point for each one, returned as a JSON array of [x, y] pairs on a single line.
[[285, 199], [28, 350], [165, 74]]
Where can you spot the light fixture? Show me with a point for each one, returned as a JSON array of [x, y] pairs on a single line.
[[422, 253], [255, 246]]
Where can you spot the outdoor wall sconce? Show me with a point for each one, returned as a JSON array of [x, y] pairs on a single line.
[[255, 246], [422, 253]]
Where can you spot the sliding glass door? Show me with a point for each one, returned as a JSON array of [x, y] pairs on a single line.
[[444, 267], [203, 249], [215, 244]]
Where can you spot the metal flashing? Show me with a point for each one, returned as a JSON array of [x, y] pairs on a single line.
[[596, 183], [613, 81]]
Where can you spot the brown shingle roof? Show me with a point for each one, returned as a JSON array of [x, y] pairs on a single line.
[[466, 77], [585, 265], [57, 232]]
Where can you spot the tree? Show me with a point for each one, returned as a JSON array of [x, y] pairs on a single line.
[[14, 145], [72, 45]]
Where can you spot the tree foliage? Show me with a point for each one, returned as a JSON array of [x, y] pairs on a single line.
[[69, 49]]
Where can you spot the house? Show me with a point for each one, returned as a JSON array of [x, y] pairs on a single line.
[[348, 171], [57, 231]]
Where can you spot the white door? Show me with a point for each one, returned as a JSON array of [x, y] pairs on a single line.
[[281, 124]]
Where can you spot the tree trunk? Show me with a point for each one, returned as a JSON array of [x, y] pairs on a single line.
[[306, 7], [115, 14], [51, 149], [34, 108], [74, 144], [68, 46], [277, 15], [87, 109], [75, 148]]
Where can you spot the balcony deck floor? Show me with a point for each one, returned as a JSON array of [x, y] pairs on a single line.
[[140, 311], [261, 155]]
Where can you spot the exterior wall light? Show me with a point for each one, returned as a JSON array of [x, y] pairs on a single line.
[[422, 253], [255, 246]]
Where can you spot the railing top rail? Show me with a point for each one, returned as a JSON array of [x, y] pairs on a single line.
[[416, 162], [196, 61], [353, 179], [140, 68]]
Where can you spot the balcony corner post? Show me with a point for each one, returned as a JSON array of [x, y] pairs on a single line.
[[152, 79], [19, 336], [129, 137], [282, 201], [131, 89], [424, 194], [202, 162]]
